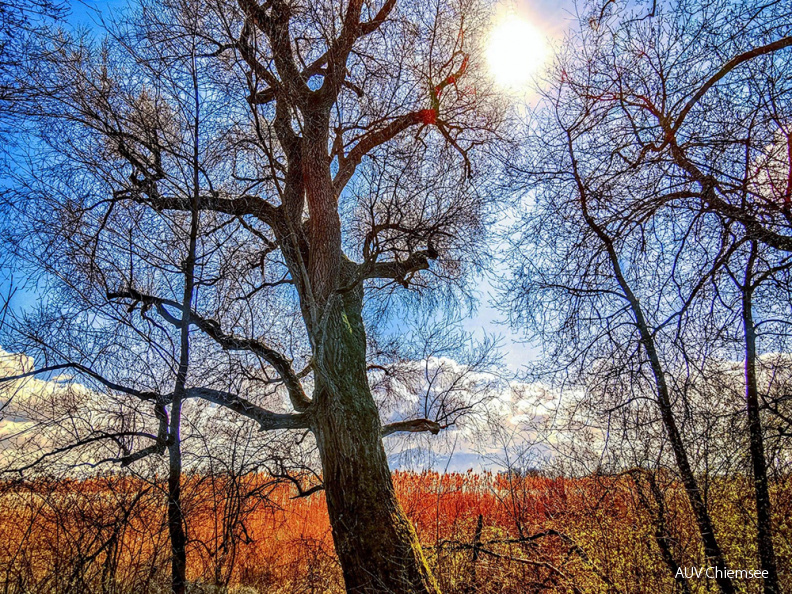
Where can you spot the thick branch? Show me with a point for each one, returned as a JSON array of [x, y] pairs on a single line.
[[372, 139], [275, 25], [413, 426], [324, 64], [374, 24], [339, 50], [161, 440], [283, 474], [753, 227], [212, 328], [266, 419], [248, 53], [728, 67], [282, 365], [399, 271], [240, 206]]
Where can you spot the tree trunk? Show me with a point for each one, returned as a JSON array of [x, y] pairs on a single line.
[[178, 538], [764, 535], [706, 528], [375, 542]]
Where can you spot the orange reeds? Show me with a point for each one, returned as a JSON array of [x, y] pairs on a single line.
[[502, 533]]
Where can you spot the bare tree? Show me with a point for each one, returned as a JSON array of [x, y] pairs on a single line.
[[334, 156], [658, 171], [22, 23]]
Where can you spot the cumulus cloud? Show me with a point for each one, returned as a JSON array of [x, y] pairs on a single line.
[[486, 418]]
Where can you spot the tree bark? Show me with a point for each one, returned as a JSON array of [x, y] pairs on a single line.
[[764, 521], [376, 544], [178, 539], [706, 528]]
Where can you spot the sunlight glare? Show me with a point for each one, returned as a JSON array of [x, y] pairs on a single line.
[[515, 51]]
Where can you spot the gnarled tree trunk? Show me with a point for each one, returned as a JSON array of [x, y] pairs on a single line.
[[376, 544]]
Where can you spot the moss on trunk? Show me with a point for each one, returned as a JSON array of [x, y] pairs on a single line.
[[377, 546]]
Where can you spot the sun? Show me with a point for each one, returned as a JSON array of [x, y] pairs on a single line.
[[515, 51]]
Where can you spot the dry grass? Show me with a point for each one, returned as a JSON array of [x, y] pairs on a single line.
[[249, 536]]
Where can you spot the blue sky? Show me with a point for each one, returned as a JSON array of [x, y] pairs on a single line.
[[553, 17]]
